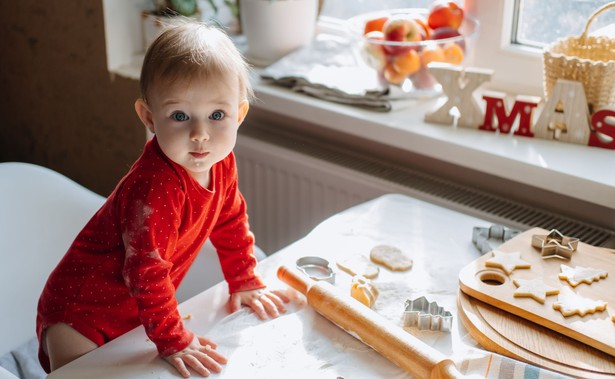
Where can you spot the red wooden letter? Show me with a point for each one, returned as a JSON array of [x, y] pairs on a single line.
[[603, 128], [496, 109]]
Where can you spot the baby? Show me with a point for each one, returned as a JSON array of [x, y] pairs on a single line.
[[124, 266]]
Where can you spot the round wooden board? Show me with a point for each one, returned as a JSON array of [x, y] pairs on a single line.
[[513, 336]]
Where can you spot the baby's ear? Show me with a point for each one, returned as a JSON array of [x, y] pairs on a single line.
[[144, 114], [244, 106]]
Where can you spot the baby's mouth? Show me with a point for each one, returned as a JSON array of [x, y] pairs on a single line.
[[199, 155]]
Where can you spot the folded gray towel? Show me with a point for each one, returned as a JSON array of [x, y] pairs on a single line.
[[329, 68], [23, 361]]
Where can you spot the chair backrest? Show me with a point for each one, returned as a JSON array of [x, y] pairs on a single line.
[[41, 212]]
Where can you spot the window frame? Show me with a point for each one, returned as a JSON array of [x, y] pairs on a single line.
[[518, 69]]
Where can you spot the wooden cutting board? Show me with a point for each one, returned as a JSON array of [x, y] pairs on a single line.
[[494, 287], [506, 334]]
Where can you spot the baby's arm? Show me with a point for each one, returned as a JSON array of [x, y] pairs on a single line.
[[263, 302], [200, 355]]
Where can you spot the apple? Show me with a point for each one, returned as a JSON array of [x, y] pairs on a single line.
[[401, 28], [445, 13], [448, 32], [372, 50], [423, 79], [444, 32]]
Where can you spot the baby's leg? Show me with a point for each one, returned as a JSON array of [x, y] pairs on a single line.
[[64, 344]]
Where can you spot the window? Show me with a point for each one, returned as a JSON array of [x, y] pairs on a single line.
[[512, 32], [540, 22]]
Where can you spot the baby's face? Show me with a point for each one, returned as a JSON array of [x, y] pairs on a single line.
[[196, 122]]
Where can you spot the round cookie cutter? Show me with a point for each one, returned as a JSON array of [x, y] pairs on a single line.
[[316, 268]]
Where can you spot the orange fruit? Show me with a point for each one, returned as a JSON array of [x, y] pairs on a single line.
[[453, 53], [407, 63], [432, 54], [374, 24], [393, 76]]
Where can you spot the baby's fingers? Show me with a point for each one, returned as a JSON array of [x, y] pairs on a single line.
[[198, 361], [281, 295], [215, 356], [204, 341], [179, 365]]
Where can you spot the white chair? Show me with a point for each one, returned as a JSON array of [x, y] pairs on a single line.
[[41, 212]]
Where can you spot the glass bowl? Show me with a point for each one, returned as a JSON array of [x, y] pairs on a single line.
[[402, 65]]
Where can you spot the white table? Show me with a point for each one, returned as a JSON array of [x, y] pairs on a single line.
[[301, 343]]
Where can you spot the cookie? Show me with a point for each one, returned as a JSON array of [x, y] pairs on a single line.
[[364, 290], [390, 257], [569, 303], [578, 275], [507, 261], [358, 265], [534, 288]]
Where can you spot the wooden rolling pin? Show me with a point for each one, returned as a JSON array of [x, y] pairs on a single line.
[[400, 347]]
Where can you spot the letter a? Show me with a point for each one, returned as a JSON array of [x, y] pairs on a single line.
[[565, 116]]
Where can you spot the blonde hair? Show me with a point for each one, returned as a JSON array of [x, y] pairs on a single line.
[[190, 49]]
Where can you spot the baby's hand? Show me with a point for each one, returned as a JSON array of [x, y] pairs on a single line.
[[200, 355], [263, 302]]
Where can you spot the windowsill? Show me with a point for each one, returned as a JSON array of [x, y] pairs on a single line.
[[576, 171]]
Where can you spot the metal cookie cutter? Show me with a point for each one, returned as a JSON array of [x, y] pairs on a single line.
[[316, 268], [482, 236], [425, 315]]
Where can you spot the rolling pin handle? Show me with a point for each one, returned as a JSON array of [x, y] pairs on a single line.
[[294, 278]]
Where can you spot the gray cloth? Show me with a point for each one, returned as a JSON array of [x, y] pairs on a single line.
[[329, 68], [23, 361]]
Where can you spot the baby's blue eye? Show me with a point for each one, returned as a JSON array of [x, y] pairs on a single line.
[[179, 116], [217, 115]]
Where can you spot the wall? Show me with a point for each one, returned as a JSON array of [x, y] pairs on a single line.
[[60, 107]]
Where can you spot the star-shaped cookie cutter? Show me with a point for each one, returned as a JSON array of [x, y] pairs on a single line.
[[555, 244], [426, 315]]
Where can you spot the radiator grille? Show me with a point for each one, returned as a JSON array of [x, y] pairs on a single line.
[[318, 180]]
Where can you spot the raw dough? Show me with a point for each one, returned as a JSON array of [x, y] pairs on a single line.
[[358, 265], [364, 290], [390, 257], [578, 275], [507, 261], [534, 288], [569, 303]]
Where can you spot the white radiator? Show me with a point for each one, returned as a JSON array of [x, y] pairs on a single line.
[[289, 193], [291, 185]]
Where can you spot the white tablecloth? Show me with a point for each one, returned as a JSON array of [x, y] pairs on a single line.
[[303, 344]]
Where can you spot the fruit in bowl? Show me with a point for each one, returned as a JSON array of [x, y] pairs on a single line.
[[400, 43]]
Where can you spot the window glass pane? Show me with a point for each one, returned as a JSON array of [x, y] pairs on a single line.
[[541, 22]]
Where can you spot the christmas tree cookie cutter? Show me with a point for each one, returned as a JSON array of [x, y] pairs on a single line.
[[425, 315], [482, 236]]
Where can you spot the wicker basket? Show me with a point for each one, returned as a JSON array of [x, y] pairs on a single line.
[[587, 59]]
